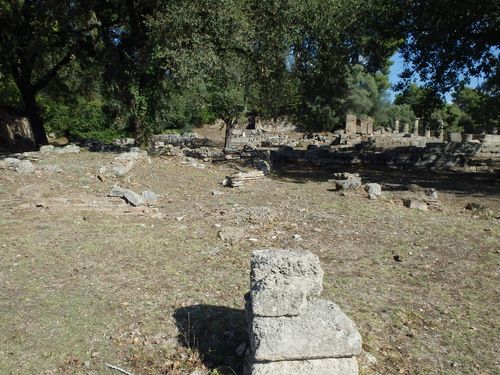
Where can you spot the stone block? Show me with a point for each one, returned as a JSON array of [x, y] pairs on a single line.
[[130, 196], [350, 124], [322, 331], [351, 184], [282, 281], [373, 189], [455, 137], [416, 205], [324, 366]]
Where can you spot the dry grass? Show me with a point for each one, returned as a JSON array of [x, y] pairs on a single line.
[[165, 295]]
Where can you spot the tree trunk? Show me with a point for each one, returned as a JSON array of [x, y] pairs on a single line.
[[230, 124], [33, 113], [139, 125]]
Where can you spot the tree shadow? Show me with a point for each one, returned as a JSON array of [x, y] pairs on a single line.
[[394, 179], [219, 333]]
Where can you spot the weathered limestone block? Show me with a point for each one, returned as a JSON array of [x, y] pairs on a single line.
[[282, 281], [350, 124], [373, 189], [351, 184], [366, 126], [324, 366], [130, 196], [322, 331]]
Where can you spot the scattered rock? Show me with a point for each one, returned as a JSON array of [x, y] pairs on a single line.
[[25, 166], [215, 192], [211, 251], [121, 170], [257, 214], [131, 197], [431, 193], [199, 372], [352, 184], [475, 206], [31, 191], [417, 205], [373, 189], [368, 358], [47, 149], [347, 181], [194, 163], [149, 196], [11, 162], [69, 149], [262, 165]]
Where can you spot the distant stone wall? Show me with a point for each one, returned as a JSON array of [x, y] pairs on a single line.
[[292, 331], [281, 125], [473, 157], [170, 144]]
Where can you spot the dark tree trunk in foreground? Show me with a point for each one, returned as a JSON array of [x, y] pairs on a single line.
[[28, 92]]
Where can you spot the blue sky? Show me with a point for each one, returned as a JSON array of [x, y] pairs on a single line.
[[398, 67]]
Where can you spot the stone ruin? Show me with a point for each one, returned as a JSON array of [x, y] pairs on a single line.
[[359, 144], [291, 330], [363, 126]]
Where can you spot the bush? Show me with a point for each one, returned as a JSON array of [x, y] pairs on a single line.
[[85, 119]]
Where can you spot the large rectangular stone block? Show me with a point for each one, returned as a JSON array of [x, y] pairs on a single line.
[[324, 366], [282, 281], [350, 124], [322, 331]]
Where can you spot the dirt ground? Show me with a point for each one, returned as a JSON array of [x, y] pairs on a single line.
[[88, 280]]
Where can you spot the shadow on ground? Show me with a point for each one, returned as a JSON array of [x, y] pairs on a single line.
[[459, 183], [216, 332]]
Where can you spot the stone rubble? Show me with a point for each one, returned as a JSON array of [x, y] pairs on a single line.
[[292, 331], [130, 196], [347, 181]]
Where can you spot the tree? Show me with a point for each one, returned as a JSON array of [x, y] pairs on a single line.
[[134, 69], [273, 92], [367, 94], [401, 112], [328, 38], [38, 38], [448, 41], [423, 100], [224, 40]]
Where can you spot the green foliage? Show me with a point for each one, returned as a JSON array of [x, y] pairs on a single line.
[[38, 38], [84, 119], [367, 94], [402, 112], [10, 97], [328, 38], [448, 41], [423, 100]]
